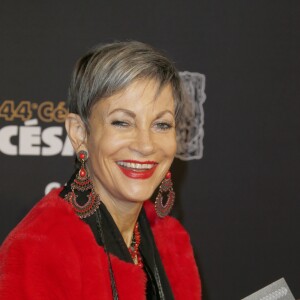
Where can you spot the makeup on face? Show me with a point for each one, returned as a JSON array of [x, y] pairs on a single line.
[[137, 169], [132, 142]]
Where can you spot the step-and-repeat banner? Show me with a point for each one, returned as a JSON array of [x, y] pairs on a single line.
[[237, 168]]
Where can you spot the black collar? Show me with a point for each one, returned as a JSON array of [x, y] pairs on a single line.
[[158, 287]]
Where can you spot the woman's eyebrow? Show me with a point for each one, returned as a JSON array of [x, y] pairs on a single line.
[[133, 115], [123, 110], [167, 111]]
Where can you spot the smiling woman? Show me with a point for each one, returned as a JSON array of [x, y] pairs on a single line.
[[99, 237]]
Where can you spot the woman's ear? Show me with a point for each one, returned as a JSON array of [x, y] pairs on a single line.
[[76, 131]]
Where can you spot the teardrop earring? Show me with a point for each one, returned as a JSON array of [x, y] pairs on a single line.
[[163, 210], [85, 201]]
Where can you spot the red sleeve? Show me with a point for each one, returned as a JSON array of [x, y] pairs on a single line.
[[35, 267]]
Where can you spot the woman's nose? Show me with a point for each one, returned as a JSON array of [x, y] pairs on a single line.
[[143, 142]]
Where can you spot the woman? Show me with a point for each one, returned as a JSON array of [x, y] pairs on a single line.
[[98, 237]]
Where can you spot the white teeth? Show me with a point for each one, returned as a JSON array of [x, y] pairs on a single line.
[[135, 165]]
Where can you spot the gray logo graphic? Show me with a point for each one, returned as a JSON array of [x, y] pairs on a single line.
[[190, 130]]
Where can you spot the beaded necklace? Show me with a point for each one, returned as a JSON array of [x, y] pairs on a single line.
[[134, 247]]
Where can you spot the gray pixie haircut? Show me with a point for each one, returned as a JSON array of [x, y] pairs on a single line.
[[108, 69]]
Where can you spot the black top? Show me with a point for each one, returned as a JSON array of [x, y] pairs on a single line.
[[158, 287]]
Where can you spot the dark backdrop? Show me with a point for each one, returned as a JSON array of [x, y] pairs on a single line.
[[240, 202]]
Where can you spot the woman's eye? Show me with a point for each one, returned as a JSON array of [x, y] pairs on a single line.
[[163, 126], [120, 124]]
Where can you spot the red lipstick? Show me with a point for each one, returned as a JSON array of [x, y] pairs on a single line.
[[137, 173]]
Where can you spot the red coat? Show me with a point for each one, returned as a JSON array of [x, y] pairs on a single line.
[[52, 254]]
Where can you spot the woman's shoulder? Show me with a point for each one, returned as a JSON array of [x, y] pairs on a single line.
[[163, 224], [45, 220], [167, 229], [47, 247], [175, 249]]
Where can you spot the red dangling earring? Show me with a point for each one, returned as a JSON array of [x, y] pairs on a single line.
[[163, 210], [85, 201]]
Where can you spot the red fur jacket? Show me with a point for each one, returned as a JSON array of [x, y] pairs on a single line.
[[52, 254]]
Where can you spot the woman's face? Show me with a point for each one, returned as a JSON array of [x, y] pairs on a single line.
[[132, 141]]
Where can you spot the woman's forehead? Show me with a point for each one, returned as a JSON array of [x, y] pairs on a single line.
[[138, 96]]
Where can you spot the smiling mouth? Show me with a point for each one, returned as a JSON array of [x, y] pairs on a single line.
[[136, 169]]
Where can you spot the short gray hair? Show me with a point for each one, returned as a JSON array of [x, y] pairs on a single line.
[[109, 68]]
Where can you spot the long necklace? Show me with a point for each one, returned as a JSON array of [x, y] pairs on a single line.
[[134, 247]]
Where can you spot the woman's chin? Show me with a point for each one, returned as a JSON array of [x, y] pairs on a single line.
[[138, 199], [138, 196]]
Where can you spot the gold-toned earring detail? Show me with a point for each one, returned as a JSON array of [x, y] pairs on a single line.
[[166, 186], [85, 201]]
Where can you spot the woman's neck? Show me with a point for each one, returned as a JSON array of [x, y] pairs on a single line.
[[125, 215]]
